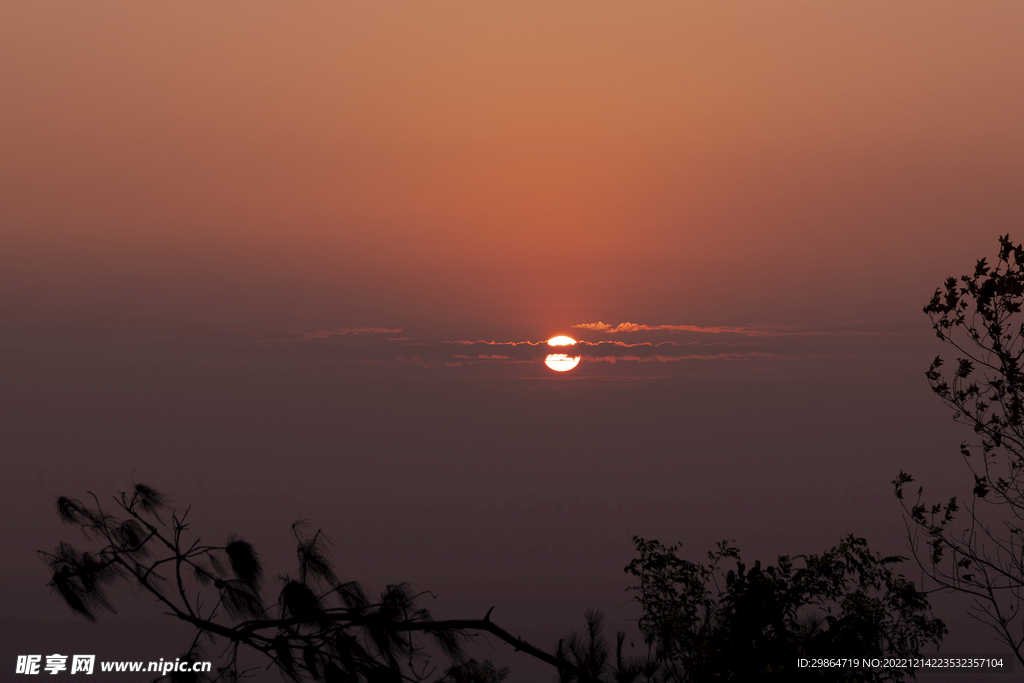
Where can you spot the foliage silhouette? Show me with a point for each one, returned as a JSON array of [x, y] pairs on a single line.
[[702, 623], [977, 547], [589, 651], [320, 628], [473, 671]]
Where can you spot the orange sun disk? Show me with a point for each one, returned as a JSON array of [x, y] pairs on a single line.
[[561, 362]]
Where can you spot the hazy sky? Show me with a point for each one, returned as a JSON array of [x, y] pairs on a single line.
[[289, 260]]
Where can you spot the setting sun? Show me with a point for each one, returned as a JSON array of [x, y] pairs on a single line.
[[560, 362], [561, 340]]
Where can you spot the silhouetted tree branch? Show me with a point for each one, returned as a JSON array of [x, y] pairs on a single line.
[[977, 548], [319, 628]]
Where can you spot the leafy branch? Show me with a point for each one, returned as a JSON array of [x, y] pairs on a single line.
[[319, 628]]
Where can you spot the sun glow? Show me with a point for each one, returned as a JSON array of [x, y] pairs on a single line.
[[561, 340], [561, 362]]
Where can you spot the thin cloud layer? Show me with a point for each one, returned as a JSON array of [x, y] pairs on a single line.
[[370, 349], [289, 336], [750, 330], [466, 352], [756, 330], [341, 332]]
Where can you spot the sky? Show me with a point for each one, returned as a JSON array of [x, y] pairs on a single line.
[[300, 261]]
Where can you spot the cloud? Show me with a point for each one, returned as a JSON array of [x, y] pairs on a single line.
[[376, 349], [597, 327], [324, 334], [661, 358], [756, 330], [280, 336], [467, 342], [749, 330], [667, 343], [675, 348]]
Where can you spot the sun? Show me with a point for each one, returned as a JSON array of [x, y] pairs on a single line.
[[561, 340], [561, 362]]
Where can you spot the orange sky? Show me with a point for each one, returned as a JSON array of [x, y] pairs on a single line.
[[516, 167], [298, 259]]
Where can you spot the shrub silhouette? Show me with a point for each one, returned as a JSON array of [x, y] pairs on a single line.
[[702, 622]]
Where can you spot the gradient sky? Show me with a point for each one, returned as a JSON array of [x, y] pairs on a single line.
[[291, 261]]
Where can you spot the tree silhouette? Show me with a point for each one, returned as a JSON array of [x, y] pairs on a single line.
[[473, 671], [977, 547], [589, 651], [700, 622], [703, 623], [319, 628]]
